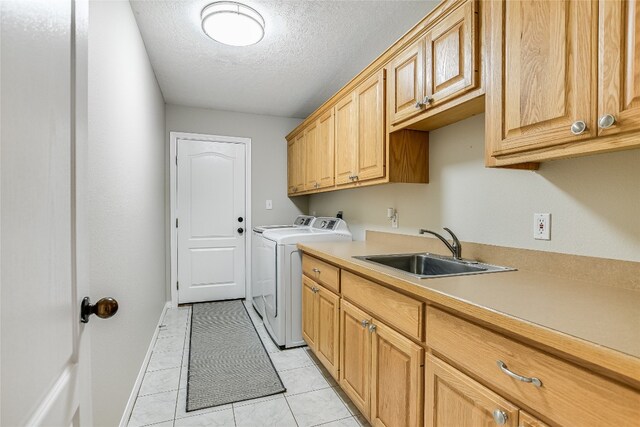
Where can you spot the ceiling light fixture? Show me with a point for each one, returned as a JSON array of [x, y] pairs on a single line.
[[232, 23]]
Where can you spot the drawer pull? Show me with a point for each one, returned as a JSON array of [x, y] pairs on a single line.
[[500, 417], [316, 270], [533, 380]]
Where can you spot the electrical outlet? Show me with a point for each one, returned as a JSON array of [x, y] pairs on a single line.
[[542, 226], [394, 221], [269, 204]]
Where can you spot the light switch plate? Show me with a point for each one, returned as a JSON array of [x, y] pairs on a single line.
[[542, 226]]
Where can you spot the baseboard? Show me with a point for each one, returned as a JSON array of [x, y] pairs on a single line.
[[136, 386]]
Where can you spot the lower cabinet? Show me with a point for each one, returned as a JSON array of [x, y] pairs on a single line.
[[453, 399], [320, 323], [381, 370]]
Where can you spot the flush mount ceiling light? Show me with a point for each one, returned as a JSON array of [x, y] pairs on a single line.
[[232, 23]]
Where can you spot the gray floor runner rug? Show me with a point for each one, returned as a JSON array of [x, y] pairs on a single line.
[[227, 361]]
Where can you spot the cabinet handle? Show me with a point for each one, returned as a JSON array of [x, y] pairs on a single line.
[[314, 290], [427, 100], [372, 328], [316, 270], [533, 380], [419, 105], [356, 178], [500, 417], [606, 121], [578, 127], [364, 323]]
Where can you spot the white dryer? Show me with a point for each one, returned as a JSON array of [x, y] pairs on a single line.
[[282, 287], [260, 271]]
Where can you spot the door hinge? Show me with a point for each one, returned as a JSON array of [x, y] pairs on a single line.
[[178, 285], [176, 222], [176, 160]]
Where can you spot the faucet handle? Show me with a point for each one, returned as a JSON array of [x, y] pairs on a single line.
[[456, 243]]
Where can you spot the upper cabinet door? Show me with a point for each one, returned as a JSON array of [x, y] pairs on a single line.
[[619, 73], [542, 73], [346, 138], [298, 166], [311, 157], [450, 56], [406, 83], [326, 150], [371, 128]]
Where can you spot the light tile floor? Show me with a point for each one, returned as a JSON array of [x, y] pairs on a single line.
[[312, 398]]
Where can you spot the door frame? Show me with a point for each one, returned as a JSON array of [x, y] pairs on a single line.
[[174, 137]]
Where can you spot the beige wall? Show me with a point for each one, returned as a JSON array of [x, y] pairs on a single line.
[[125, 203], [594, 201]]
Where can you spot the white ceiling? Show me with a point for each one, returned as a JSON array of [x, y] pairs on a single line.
[[310, 50]]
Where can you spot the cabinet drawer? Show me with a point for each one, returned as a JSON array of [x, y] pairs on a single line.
[[569, 395], [323, 273], [395, 309]]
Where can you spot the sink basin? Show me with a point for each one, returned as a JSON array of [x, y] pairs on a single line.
[[425, 265]]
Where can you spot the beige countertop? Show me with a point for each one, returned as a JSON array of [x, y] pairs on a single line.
[[600, 323]]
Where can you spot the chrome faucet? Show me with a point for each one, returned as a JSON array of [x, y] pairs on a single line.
[[455, 248]]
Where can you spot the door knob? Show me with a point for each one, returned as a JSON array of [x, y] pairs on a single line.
[[240, 219], [104, 308], [240, 230]]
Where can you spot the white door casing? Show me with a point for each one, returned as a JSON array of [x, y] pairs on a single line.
[[45, 349], [211, 225]]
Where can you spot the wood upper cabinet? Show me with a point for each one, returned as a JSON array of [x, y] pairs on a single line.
[[296, 164], [454, 399], [355, 355], [311, 157], [346, 125], [563, 79], [360, 132], [326, 150], [371, 128], [396, 378], [406, 83], [451, 59], [438, 67], [542, 73], [619, 67]]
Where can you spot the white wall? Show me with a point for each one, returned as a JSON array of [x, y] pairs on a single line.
[[268, 154], [126, 202], [594, 201]]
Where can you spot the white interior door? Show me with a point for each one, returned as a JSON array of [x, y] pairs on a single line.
[[211, 235], [44, 346]]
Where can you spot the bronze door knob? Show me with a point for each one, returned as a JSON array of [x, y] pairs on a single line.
[[104, 308]]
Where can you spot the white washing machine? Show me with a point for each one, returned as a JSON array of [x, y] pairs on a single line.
[[261, 272], [282, 286]]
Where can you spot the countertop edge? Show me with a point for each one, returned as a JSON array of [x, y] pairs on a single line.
[[604, 360]]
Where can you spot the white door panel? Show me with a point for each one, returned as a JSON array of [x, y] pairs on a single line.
[[44, 347], [210, 199]]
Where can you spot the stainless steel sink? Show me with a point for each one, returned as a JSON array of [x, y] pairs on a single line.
[[425, 265]]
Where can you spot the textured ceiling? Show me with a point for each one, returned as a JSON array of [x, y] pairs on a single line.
[[310, 50]]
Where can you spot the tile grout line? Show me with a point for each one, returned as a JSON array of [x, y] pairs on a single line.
[[295, 420]]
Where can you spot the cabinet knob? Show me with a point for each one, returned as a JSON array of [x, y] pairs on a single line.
[[314, 290], [578, 127], [419, 105], [606, 121], [372, 328], [364, 323], [500, 417], [427, 100], [316, 270]]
